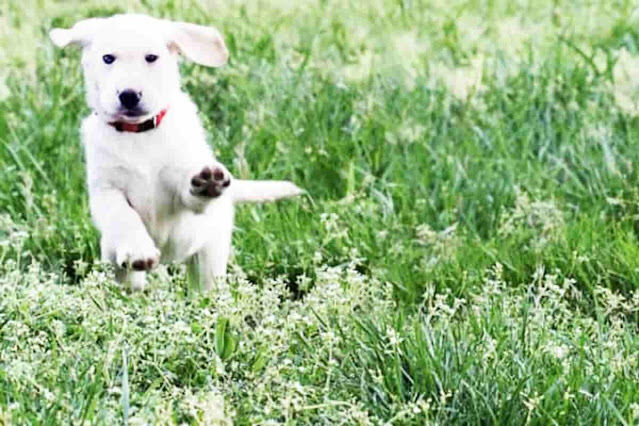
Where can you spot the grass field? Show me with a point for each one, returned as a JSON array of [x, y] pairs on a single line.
[[468, 253]]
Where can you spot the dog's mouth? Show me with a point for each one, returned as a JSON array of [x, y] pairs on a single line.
[[134, 113], [130, 115]]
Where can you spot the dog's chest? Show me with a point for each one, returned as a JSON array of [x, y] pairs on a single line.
[[134, 165], [146, 191], [149, 168]]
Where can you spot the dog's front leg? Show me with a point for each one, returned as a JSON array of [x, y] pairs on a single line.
[[125, 240], [195, 188]]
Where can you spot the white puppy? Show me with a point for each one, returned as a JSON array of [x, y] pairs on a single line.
[[155, 186]]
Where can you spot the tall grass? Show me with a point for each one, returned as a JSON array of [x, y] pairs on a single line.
[[468, 252]]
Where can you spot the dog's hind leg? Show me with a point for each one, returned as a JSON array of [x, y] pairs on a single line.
[[205, 268], [213, 260], [210, 262]]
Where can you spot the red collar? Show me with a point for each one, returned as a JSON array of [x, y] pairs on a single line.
[[149, 124]]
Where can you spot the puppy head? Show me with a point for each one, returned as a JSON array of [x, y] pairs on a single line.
[[131, 61]]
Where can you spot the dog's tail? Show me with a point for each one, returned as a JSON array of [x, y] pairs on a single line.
[[259, 191]]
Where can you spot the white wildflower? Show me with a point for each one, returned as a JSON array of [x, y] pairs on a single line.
[[626, 82]]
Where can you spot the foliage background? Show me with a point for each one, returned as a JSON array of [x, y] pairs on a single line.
[[468, 252]]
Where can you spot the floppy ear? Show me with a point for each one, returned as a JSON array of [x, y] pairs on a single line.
[[79, 34], [202, 45]]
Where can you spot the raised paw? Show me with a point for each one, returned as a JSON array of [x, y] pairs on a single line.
[[211, 182], [138, 258]]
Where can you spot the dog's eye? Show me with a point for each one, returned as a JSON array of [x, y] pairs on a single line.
[[151, 58], [108, 59]]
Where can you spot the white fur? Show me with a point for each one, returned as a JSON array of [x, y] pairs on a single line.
[[140, 183]]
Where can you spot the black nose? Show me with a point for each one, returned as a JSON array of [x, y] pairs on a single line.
[[129, 99]]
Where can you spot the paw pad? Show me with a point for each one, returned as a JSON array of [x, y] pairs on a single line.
[[210, 182]]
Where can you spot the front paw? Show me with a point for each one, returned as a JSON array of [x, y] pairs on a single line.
[[137, 256], [211, 182]]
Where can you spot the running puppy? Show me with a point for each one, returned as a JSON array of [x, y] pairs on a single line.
[[155, 187]]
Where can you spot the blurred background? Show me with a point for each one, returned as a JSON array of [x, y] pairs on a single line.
[[457, 153], [406, 118]]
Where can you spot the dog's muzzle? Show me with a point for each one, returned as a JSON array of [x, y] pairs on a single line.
[[149, 124]]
